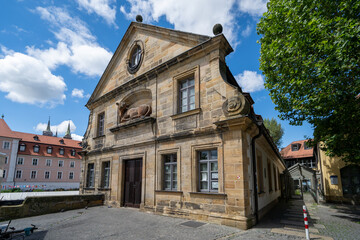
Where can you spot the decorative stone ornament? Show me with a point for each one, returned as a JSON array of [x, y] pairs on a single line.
[[236, 105], [139, 18], [217, 29], [135, 56], [127, 114]]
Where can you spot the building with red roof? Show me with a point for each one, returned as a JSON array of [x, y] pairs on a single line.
[[39, 161], [298, 152]]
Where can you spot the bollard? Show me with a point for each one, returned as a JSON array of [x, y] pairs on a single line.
[[306, 223]]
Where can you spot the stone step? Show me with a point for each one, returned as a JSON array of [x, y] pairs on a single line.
[[296, 223], [300, 229]]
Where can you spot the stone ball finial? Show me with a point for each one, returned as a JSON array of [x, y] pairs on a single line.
[[217, 29], [139, 18]]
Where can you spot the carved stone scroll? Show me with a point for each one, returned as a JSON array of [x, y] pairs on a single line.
[[236, 105]]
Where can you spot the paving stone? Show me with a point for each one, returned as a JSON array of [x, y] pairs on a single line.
[[319, 226]]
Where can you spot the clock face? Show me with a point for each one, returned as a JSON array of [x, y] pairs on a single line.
[[135, 59]]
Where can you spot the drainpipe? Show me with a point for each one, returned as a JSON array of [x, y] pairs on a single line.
[[255, 176]]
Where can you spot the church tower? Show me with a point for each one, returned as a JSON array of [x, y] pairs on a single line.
[[48, 131], [68, 134]]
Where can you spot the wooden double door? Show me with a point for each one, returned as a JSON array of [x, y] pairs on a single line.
[[132, 183]]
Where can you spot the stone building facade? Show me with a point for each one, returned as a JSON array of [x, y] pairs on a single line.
[[170, 131]]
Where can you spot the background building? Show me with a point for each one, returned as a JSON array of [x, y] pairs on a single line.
[[299, 152], [39, 161]]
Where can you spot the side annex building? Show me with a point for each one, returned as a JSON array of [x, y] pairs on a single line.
[[170, 131]]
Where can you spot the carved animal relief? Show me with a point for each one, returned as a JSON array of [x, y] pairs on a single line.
[[127, 114]]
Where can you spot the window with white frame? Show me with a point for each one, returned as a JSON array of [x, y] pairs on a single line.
[[170, 172], [71, 175], [187, 94], [48, 162], [4, 173], [34, 161], [6, 159], [22, 147], [6, 145], [72, 164], [36, 148], [73, 152], [33, 175], [18, 174], [20, 161], [106, 174], [61, 151], [61, 163], [59, 175], [208, 171], [49, 150], [90, 176], [47, 174]]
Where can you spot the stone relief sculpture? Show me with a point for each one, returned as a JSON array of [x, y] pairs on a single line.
[[236, 105], [127, 114]]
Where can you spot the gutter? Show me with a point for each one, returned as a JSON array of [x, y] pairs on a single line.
[[255, 176]]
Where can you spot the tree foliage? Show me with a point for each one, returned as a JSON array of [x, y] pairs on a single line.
[[310, 52], [275, 129]]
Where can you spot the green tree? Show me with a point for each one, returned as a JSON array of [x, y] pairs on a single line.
[[275, 129], [310, 53]]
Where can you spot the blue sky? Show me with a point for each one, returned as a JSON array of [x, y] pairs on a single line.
[[52, 53]]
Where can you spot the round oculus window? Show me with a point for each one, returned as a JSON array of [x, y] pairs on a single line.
[[135, 59]]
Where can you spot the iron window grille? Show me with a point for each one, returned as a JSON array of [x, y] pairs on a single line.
[[90, 175], [170, 172], [208, 171], [106, 174]]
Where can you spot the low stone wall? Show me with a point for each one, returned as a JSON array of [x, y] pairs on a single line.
[[33, 206]]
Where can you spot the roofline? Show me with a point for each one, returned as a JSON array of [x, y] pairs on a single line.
[[132, 25], [162, 67]]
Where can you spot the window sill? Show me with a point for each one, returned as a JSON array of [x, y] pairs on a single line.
[[209, 194], [89, 188], [102, 136], [185, 114], [169, 192], [104, 189]]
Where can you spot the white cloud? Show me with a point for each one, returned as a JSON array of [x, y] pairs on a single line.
[[60, 128], [197, 16], [250, 81], [255, 8], [26, 79], [77, 93], [101, 8], [247, 31], [77, 137], [187, 15]]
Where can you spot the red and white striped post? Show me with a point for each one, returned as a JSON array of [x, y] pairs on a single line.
[[306, 223]]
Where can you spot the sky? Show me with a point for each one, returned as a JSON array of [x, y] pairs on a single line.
[[53, 53]]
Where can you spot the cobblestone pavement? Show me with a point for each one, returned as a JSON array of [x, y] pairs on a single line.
[[285, 221]]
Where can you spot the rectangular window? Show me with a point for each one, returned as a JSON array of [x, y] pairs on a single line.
[[47, 174], [106, 174], [187, 94], [61, 151], [20, 161], [48, 162], [208, 171], [269, 176], [260, 177], [35, 162], [59, 175], [170, 172], [6, 145], [61, 163], [90, 175], [6, 159], [73, 152], [22, 147], [71, 175], [49, 150], [33, 175], [72, 164], [101, 122], [18, 174], [275, 179], [295, 147], [4, 173], [36, 148]]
